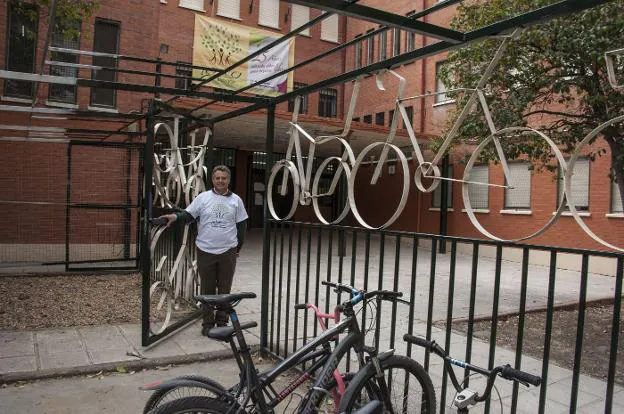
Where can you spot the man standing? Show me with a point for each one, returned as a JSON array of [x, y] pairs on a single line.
[[222, 222]]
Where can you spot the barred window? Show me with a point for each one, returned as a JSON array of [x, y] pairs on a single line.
[[21, 49], [68, 40], [328, 103], [478, 194], [183, 69], [383, 45], [370, 49], [303, 106], [396, 42]]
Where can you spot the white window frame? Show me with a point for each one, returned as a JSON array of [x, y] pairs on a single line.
[[329, 29], [229, 9], [370, 49], [580, 185], [197, 5], [615, 206], [479, 194], [441, 99], [269, 13], [521, 180], [300, 15]]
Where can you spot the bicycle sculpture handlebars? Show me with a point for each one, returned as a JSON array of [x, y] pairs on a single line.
[[347, 163]]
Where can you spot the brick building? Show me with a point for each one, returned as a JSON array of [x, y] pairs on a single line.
[[164, 29]]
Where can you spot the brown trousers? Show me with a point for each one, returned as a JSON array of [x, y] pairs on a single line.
[[216, 272]]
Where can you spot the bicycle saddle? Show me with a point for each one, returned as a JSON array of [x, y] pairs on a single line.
[[224, 333], [224, 301]]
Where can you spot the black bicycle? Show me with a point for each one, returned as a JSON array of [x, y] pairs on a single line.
[[359, 390], [255, 393]]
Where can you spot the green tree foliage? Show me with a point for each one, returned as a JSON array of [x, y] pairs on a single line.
[[553, 77], [67, 12]]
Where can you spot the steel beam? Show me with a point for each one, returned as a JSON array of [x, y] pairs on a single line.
[[382, 17]]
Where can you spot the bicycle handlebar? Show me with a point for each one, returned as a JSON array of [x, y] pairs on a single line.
[[512, 374], [341, 287]]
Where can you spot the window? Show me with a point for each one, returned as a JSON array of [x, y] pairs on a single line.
[[396, 42], [580, 185], [356, 119], [410, 38], [370, 49], [383, 45], [105, 40], [303, 106], [21, 48], [380, 118], [69, 40], [269, 13], [229, 8], [329, 29], [368, 119], [519, 197], [300, 16], [328, 103], [616, 200], [193, 4], [440, 87], [478, 194], [390, 116], [357, 58], [410, 116], [436, 200], [183, 69]]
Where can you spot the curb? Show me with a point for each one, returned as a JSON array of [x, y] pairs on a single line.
[[13, 377]]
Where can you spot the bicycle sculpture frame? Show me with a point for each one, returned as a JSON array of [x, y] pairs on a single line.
[[171, 184], [426, 169]]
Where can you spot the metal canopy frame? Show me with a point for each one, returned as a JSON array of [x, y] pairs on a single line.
[[448, 39]]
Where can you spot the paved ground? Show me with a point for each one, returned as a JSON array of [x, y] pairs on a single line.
[[88, 350]]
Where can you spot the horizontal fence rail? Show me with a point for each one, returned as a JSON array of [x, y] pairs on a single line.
[[486, 302]]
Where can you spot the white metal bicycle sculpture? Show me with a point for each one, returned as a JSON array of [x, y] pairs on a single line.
[[303, 193], [178, 279]]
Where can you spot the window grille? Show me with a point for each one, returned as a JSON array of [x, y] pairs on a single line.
[[436, 200], [328, 103], [478, 194], [519, 197], [21, 49], [106, 40], [64, 93], [183, 69], [303, 106], [300, 16]]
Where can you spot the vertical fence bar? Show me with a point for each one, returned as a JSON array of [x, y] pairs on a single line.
[[279, 290], [319, 236], [449, 318], [494, 326], [273, 288], [366, 262], [395, 287], [382, 251], [578, 354], [330, 248], [548, 329], [146, 268], [307, 288], [266, 235], [288, 284], [432, 271], [68, 205], [615, 330], [297, 286], [471, 307], [414, 275], [521, 318], [352, 279]]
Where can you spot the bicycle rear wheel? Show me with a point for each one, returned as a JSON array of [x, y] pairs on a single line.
[[409, 388], [195, 405]]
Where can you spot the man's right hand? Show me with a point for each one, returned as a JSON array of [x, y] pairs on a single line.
[[171, 218]]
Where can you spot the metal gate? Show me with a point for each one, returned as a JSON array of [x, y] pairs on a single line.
[[104, 188]]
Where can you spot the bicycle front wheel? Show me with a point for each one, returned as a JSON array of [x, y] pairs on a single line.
[[193, 405], [409, 388]]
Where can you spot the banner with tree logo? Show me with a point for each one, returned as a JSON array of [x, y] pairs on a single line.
[[218, 44]]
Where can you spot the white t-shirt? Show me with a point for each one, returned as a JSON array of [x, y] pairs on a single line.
[[218, 215]]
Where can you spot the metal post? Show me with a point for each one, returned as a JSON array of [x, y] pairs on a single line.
[[443, 203], [264, 314], [157, 77], [146, 213]]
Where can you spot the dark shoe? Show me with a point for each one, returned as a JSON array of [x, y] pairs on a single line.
[[205, 329], [221, 324]]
